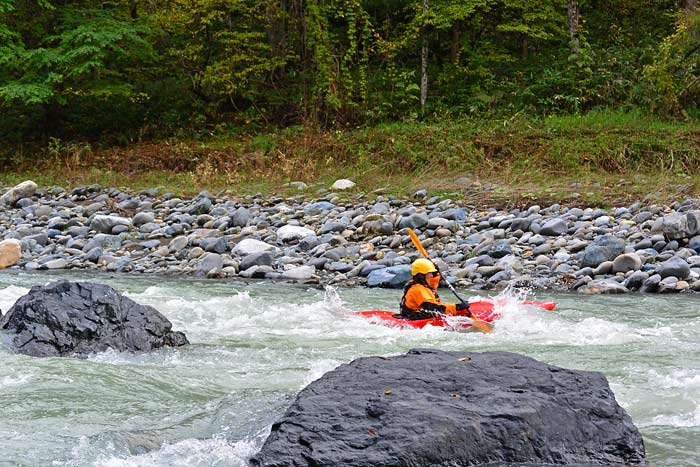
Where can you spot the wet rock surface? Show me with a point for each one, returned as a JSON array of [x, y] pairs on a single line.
[[80, 318], [352, 239], [431, 408]]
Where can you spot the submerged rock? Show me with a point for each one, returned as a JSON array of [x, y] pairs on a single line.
[[79, 318], [431, 408]]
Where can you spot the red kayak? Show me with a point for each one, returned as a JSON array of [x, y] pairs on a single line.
[[483, 309]]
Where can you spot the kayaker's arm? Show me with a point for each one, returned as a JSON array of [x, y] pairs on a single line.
[[433, 308], [463, 309], [459, 309]]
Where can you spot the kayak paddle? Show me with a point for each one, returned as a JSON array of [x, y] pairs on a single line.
[[481, 325]]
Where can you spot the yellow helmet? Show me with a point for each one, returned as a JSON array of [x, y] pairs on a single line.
[[422, 266]]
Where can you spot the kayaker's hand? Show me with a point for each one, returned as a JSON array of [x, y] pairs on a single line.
[[463, 309]]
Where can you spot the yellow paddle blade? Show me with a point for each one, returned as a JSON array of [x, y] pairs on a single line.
[[482, 326], [417, 243]]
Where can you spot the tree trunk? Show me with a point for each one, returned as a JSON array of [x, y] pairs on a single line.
[[574, 20], [688, 4], [454, 50], [424, 63]]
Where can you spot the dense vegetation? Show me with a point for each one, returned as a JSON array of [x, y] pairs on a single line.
[[588, 101], [126, 70]]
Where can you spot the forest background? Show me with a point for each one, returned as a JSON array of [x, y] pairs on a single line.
[[585, 101]]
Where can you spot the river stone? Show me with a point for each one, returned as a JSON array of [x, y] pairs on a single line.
[[10, 252], [668, 285], [332, 226], [25, 189], [627, 262], [674, 226], [249, 246], [605, 248], [58, 263], [437, 408], [692, 219], [142, 218], [200, 205], [93, 255], [262, 258], [603, 286], [308, 243], [500, 249], [318, 207], [393, 277], [288, 233], [105, 223], [241, 217], [80, 318], [651, 284], [177, 244], [300, 273], [377, 227], [414, 221], [636, 280], [210, 264], [343, 184], [554, 227], [214, 245], [676, 267]]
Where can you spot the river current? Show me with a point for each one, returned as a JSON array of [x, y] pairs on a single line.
[[255, 346]]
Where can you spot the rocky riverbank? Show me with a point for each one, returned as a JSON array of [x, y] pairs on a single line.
[[351, 239]]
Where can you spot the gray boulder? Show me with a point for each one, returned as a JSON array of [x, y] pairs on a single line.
[[241, 217], [414, 221], [318, 207], [263, 258], [393, 277], [210, 264], [676, 267], [554, 227], [80, 318], [25, 189], [436, 408], [105, 223], [605, 248], [678, 225]]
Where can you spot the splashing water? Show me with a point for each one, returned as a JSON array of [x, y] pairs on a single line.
[[254, 346]]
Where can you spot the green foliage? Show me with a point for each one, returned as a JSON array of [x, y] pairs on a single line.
[[131, 69], [89, 53], [221, 48], [534, 19], [672, 82]]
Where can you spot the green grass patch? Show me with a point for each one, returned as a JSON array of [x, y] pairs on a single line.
[[601, 158]]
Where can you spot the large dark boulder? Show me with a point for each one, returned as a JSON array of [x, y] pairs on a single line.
[[435, 408], [80, 318]]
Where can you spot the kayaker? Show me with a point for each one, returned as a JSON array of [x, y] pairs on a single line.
[[420, 299]]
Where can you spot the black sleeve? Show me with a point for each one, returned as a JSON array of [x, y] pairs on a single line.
[[434, 307], [463, 306]]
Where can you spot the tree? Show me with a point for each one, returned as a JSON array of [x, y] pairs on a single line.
[[69, 53], [424, 61], [574, 24], [673, 80], [222, 47]]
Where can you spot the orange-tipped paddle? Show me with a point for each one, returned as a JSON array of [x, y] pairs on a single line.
[[480, 325]]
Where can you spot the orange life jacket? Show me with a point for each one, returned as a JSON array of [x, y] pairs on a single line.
[[420, 301]]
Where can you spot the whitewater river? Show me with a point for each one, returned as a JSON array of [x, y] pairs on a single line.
[[254, 346]]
